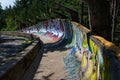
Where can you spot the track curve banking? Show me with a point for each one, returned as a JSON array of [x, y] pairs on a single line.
[[89, 57]]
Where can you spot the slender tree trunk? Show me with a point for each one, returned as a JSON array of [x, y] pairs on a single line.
[[115, 7], [113, 19], [82, 12], [90, 26], [100, 17]]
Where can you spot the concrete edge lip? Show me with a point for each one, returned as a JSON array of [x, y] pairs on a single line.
[[18, 61]]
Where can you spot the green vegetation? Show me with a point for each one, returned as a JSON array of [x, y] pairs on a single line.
[[25, 13], [29, 12]]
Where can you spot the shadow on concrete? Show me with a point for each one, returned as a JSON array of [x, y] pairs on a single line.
[[47, 77], [7, 38], [49, 47], [8, 50], [33, 68]]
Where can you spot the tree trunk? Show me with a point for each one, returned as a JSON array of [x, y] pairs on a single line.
[[100, 17], [82, 13], [113, 17], [90, 26], [115, 8]]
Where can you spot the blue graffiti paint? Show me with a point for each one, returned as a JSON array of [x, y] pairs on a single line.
[[78, 39], [73, 50]]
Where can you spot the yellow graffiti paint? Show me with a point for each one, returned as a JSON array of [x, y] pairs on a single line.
[[94, 76], [84, 61], [89, 70], [93, 47], [84, 43]]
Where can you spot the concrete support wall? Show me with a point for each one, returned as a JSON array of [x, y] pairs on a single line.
[[16, 68]]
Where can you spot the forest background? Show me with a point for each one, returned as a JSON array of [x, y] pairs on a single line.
[[25, 13]]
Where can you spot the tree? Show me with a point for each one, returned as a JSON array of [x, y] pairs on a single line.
[[100, 17], [115, 8], [2, 22], [1, 10]]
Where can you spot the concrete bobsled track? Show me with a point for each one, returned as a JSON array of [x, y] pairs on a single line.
[[17, 53], [90, 57]]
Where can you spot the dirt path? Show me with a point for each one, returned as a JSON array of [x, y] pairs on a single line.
[[52, 65]]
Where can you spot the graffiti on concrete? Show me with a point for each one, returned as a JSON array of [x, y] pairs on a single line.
[[85, 61], [88, 58], [52, 28]]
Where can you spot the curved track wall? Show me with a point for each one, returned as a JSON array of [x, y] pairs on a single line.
[[91, 57]]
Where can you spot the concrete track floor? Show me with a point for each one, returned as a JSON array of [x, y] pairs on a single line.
[[51, 67]]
